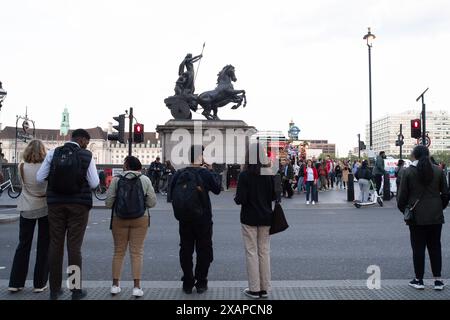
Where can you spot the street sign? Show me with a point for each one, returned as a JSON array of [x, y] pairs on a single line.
[[427, 141], [293, 132], [24, 136]]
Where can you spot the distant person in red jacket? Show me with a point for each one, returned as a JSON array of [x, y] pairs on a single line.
[[311, 178]]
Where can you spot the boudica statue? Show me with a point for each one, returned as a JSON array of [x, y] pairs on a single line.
[[186, 100]]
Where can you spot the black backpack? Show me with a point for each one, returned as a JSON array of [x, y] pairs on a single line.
[[188, 196], [130, 198], [66, 174]]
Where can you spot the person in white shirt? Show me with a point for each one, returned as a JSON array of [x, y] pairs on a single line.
[[71, 174]]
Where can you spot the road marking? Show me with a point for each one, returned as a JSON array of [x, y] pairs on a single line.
[[2, 268]]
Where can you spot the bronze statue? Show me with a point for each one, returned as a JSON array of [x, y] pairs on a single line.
[[185, 82], [186, 100]]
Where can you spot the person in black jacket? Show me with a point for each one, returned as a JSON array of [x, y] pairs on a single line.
[[423, 188], [154, 173], [198, 234], [364, 175], [255, 192]]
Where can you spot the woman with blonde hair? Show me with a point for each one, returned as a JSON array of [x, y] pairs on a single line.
[[32, 205]]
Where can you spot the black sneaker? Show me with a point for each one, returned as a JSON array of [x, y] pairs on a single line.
[[201, 288], [417, 284], [439, 285], [187, 288], [251, 294], [54, 295], [263, 294], [78, 294]]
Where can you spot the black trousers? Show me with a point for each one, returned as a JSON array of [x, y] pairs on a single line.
[[198, 237], [156, 180], [426, 237], [70, 220], [287, 188], [378, 179], [21, 260]]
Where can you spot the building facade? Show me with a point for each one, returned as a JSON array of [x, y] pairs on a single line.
[[103, 151], [386, 129], [327, 148]]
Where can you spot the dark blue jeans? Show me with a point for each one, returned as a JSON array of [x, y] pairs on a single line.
[[311, 188]]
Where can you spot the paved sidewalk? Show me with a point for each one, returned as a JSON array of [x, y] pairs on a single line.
[[232, 290], [327, 199]]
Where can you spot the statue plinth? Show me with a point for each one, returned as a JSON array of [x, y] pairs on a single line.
[[228, 138]]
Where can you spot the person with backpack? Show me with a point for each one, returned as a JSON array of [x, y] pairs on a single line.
[[71, 174], [129, 196], [192, 208], [32, 205], [363, 175], [424, 191], [255, 193]]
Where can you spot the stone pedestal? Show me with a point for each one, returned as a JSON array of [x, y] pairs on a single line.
[[224, 140]]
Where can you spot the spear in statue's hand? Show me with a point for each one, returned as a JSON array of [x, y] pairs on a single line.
[[198, 66]]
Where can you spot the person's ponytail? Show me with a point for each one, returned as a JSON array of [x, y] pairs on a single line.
[[424, 165]]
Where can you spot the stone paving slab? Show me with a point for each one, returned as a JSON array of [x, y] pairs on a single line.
[[232, 290]]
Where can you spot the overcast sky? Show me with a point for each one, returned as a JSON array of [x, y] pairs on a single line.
[[304, 60]]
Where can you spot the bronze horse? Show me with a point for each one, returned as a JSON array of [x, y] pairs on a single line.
[[222, 95]]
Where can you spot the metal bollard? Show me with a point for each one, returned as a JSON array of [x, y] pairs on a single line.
[[387, 187], [350, 188]]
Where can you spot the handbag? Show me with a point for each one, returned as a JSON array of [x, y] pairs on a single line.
[[279, 223], [408, 214]]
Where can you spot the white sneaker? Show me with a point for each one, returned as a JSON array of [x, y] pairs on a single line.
[[137, 292], [307, 202], [39, 290], [13, 289], [115, 290], [313, 203]]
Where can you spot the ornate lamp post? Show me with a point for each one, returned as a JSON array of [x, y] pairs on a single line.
[[369, 37]]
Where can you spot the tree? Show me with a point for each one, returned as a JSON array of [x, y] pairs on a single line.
[[442, 156]]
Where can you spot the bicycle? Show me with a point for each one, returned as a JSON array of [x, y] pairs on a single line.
[[100, 192], [13, 191]]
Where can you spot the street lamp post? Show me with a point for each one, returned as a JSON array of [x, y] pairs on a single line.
[[3, 94], [369, 37]]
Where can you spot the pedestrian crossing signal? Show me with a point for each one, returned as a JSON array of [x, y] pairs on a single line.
[[416, 131], [138, 136]]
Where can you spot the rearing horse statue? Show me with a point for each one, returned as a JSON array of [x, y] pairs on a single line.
[[222, 95]]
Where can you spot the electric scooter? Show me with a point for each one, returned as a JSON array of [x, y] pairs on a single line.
[[374, 198]]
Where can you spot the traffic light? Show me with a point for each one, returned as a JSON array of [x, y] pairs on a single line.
[[120, 127], [416, 131], [138, 136], [362, 145]]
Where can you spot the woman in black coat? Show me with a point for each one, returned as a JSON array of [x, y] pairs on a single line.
[[255, 193], [423, 188]]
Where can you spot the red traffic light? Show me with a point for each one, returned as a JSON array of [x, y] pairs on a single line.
[[416, 130], [138, 133]]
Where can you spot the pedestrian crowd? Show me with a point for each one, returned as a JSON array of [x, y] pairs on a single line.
[[57, 197]]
